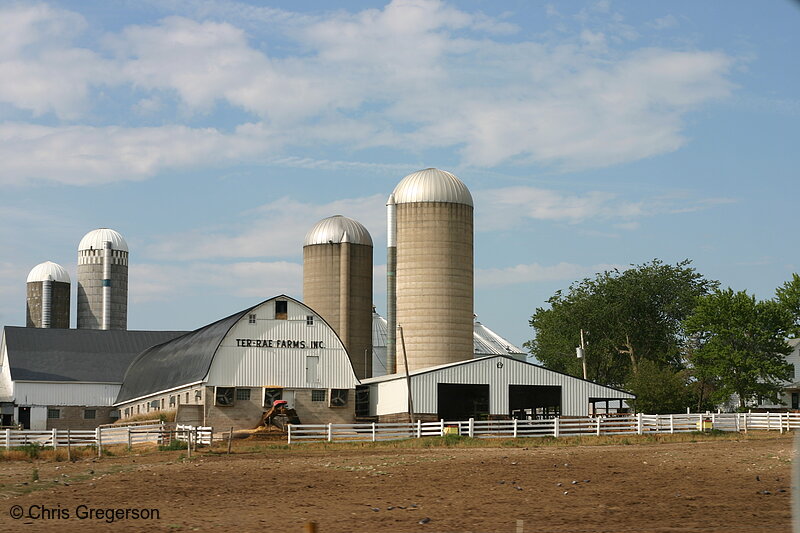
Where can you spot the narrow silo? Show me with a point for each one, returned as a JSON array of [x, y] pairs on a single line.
[[433, 216], [103, 280], [48, 290], [337, 284]]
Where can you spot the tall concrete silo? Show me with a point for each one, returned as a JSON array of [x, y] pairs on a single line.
[[432, 212], [103, 280], [48, 290], [337, 283]]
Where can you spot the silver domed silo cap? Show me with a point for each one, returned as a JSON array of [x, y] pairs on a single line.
[[48, 271], [95, 239], [335, 229], [432, 185]]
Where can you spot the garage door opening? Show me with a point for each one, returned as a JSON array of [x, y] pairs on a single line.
[[463, 401], [534, 401]]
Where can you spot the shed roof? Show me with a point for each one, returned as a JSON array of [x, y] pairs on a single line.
[[421, 371], [86, 355]]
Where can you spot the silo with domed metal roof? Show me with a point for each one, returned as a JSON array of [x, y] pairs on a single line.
[[47, 302], [102, 280], [430, 262], [337, 284]]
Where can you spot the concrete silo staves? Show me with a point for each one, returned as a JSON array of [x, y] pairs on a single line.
[[48, 291], [337, 284], [430, 216], [102, 280]]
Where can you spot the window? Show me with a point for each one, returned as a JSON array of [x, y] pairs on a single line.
[[137, 410], [89, 414], [127, 412], [172, 401], [54, 413], [338, 398], [242, 394], [162, 403], [224, 396], [318, 395], [281, 309], [309, 320], [270, 395], [187, 398], [252, 319]]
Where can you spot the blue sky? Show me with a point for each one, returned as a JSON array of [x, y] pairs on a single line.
[[214, 134]]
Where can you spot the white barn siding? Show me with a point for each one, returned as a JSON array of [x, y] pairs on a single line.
[[239, 366], [390, 397], [6, 385], [44, 393], [575, 393]]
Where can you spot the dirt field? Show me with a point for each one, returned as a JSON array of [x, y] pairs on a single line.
[[718, 485]]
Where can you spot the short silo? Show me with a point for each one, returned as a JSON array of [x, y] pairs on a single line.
[[433, 215], [48, 290], [337, 284], [102, 280]]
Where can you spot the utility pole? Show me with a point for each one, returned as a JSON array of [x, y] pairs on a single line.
[[581, 353]]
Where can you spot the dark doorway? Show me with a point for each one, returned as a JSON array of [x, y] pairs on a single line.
[[25, 417], [534, 401], [795, 400], [461, 402]]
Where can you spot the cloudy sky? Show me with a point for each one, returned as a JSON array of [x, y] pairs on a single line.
[[213, 134]]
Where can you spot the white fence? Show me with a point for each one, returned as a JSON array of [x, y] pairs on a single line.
[[639, 424], [152, 432]]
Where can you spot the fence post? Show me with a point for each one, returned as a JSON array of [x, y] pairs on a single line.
[[230, 440], [55, 439], [69, 448], [288, 433], [373, 432], [671, 425], [441, 427], [638, 423], [598, 425], [8, 438], [419, 428], [768, 420], [713, 420], [780, 422], [555, 427], [738, 428], [515, 427], [99, 438], [330, 432], [130, 441], [745, 422]]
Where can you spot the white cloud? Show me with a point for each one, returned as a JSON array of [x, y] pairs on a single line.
[[39, 69], [156, 282], [509, 206], [86, 155], [414, 75], [534, 272], [276, 229]]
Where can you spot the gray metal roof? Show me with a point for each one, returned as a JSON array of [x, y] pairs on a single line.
[[338, 229], [432, 185], [177, 362], [487, 342], [89, 355]]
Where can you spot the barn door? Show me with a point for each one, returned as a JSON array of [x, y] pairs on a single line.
[[312, 369]]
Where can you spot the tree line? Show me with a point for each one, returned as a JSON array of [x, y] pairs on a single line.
[[671, 336]]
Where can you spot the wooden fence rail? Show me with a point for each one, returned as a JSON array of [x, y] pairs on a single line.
[[142, 433], [638, 424]]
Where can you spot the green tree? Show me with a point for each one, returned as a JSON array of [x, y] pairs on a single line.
[[631, 316], [660, 389], [788, 295], [740, 342]]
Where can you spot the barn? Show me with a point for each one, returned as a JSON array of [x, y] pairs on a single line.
[[226, 374], [492, 387]]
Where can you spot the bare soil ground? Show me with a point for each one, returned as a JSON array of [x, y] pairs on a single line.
[[714, 485]]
